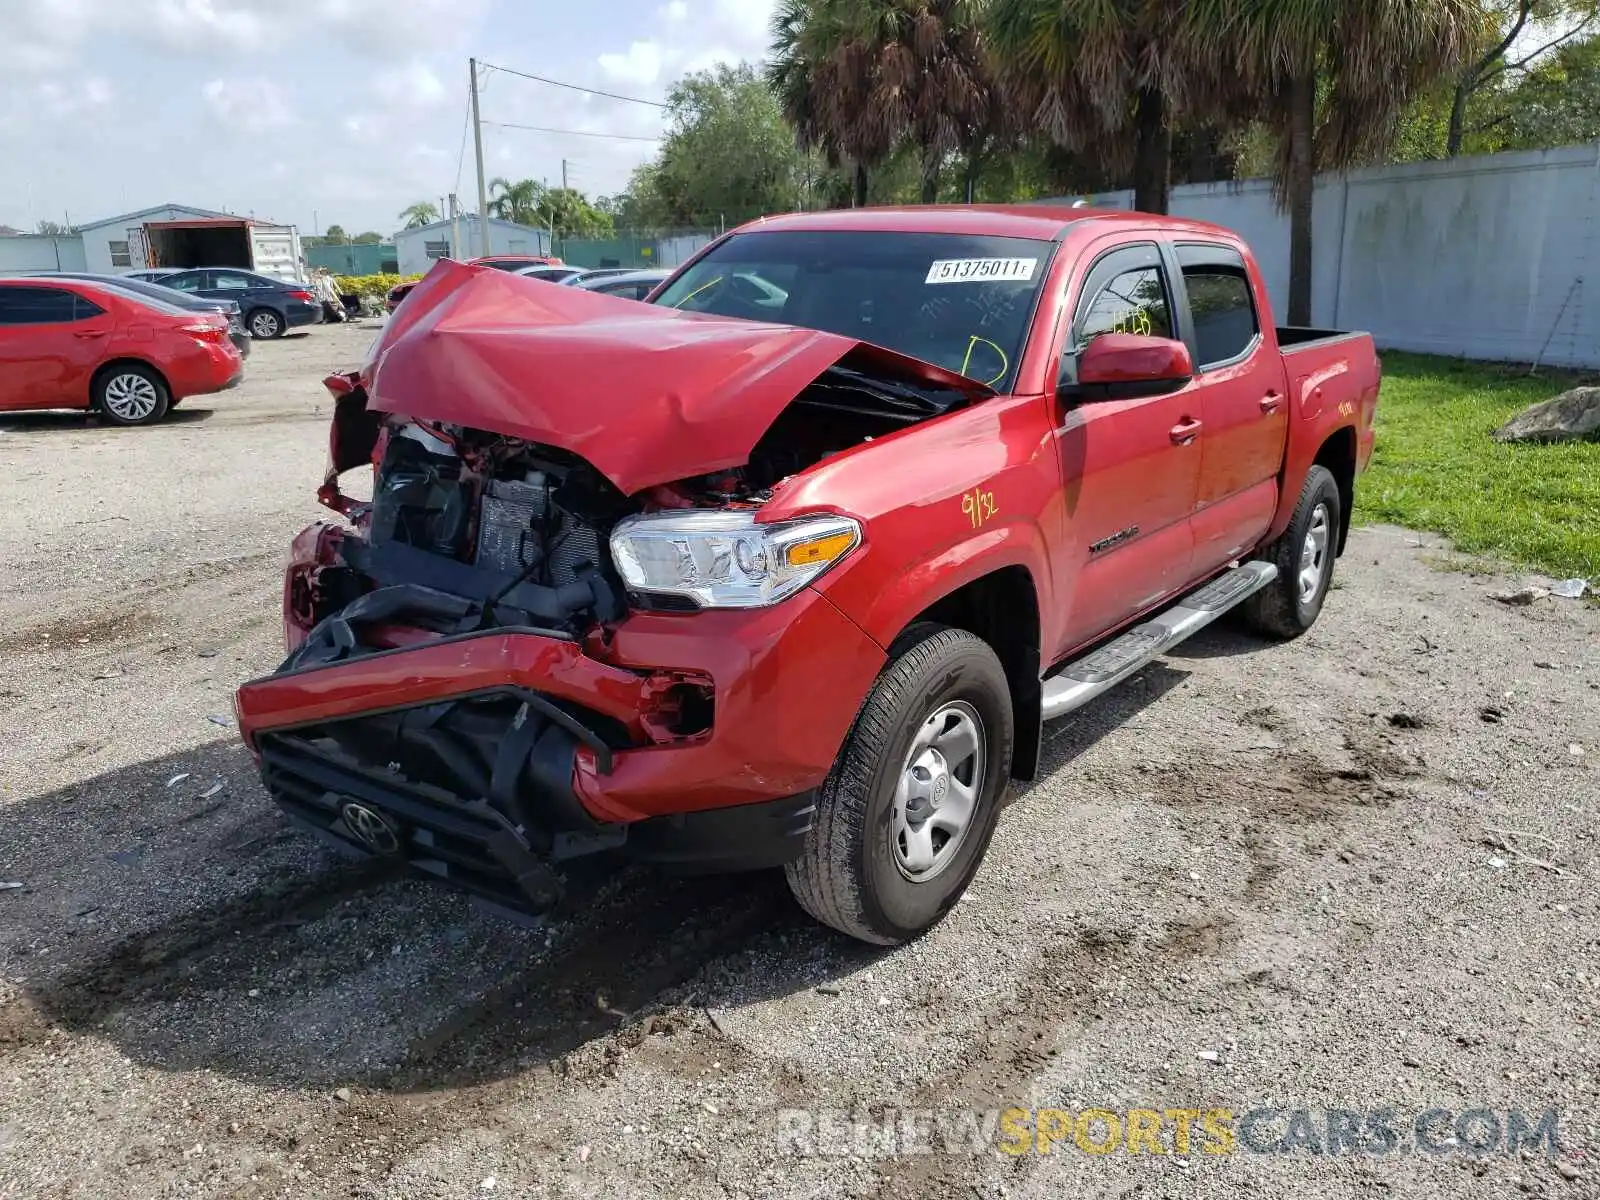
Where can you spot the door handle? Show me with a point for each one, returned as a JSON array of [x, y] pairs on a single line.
[[1185, 431], [1270, 402], [89, 333]]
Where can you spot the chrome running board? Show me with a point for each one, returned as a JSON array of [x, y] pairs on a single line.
[[1085, 678]]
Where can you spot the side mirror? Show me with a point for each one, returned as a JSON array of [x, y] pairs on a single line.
[[1125, 366]]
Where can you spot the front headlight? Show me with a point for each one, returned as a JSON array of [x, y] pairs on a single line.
[[722, 558]]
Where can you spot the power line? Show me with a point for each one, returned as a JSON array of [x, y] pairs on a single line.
[[620, 137], [573, 86], [461, 155]]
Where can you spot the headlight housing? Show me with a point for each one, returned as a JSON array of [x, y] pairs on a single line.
[[723, 558]]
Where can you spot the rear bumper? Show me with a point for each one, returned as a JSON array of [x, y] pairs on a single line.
[[205, 369], [298, 314]]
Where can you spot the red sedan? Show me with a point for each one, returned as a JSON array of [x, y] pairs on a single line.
[[71, 343]]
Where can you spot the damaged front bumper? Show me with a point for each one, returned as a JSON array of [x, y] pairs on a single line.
[[483, 758]]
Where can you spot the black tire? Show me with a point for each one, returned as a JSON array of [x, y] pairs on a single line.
[[850, 873], [1286, 607], [130, 394], [264, 323]]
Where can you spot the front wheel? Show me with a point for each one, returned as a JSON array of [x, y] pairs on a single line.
[[264, 323], [906, 814]]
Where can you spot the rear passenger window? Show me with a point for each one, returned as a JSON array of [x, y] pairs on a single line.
[[1220, 304], [84, 308], [36, 306]]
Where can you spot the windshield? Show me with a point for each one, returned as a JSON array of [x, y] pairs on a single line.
[[961, 302]]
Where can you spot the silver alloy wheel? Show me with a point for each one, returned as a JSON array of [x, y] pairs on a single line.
[[936, 796], [1314, 557], [265, 324], [131, 397]]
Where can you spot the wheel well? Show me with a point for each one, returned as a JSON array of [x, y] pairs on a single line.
[[1002, 608], [105, 369], [1338, 455]]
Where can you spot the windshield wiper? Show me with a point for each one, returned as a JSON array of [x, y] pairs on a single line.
[[901, 397]]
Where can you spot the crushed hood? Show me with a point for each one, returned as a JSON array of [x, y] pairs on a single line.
[[646, 394]]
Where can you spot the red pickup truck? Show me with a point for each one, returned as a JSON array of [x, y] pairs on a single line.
[[787, 565]]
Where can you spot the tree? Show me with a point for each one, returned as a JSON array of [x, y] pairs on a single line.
[[54, 229], [1109, 80], [368, 239], [1508, 21], [423, 212], [516, 202], [819, 71], [334, 235], [1556, 104], [727, 156], [1362, 59]]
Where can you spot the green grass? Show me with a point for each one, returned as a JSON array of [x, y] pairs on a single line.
[[1436, 467]]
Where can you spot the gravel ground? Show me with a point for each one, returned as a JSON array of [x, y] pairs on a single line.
[[1254, 876]]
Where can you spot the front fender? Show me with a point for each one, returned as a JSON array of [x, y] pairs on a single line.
[[941, 506]]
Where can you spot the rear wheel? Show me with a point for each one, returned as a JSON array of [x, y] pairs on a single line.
[[907, 812], [1304, 555], [264, 323], [129, 394]]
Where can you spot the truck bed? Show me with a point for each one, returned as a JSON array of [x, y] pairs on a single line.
[[1297, 337]]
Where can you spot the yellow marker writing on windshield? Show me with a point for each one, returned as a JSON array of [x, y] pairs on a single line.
[[1005, 363], [708, 284]]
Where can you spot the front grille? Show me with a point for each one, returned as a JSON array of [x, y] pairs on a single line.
[[475, 791]]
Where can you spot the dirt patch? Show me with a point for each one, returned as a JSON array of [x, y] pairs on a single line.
[[84, 631]]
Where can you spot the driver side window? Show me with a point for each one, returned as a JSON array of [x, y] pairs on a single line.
[[1132, 302], [1126, 292]]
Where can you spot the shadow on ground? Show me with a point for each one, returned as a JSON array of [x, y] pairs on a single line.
[[170, 910], [76, 420]]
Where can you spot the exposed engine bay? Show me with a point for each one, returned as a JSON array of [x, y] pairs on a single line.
[[469, 529]]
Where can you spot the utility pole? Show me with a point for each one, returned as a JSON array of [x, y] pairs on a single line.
[[477, 145], [563, 174]]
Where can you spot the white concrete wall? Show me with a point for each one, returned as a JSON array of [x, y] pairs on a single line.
[[1490, 257], [33, 252]]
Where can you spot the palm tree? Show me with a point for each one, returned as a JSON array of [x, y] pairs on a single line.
[[856, 77], [1107, 80], [518, 202], [1368, 58], [808, 37], [419, 214]]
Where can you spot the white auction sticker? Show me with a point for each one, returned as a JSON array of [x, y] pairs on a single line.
[[981, 270]]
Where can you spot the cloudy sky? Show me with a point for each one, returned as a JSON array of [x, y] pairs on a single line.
[[319, 111]]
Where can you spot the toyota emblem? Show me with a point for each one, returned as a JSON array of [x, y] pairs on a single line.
[[371, 828]]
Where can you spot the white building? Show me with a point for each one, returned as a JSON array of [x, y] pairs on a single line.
[[178, 235], [418, 249], [41, 252]]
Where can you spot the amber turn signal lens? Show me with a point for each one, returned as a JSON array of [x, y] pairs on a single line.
[[819, 550]]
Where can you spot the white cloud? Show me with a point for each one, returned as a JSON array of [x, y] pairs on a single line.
[[205, 25], [252, 104], [748, 22], [414, 85], [641, 65], [85, 96], [676, 11]]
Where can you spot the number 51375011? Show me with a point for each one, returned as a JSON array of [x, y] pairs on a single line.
[[978, 506]]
